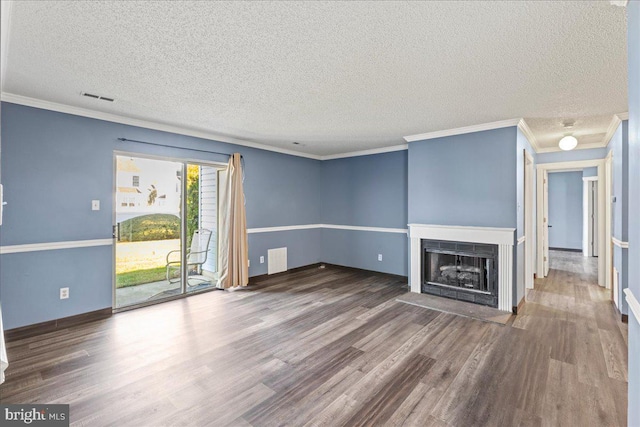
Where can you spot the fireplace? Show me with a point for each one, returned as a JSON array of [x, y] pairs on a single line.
[[502, 238], [460, 270]]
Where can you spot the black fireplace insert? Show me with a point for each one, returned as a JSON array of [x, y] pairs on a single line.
[[462, 271]]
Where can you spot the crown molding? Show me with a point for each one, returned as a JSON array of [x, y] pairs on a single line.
[[147, 124], [623, 116], [401, 147], [621, 3], [611, 130], [524, 128], [462, 130]]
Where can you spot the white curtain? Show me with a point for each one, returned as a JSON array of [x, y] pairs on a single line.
[[233, 254]]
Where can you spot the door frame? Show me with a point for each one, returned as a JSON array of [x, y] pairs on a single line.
[[183, 239], [587, 182], [604, 214], [529, 240]]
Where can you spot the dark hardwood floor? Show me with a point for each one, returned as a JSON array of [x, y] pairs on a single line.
[[333, 347]]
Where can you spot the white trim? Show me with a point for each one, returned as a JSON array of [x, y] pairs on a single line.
[[623, 116], [604, 195], [604, 266], [462, 130], [505, 277], [524, 128], [529, 222], [357, 228], [34, 247], [634, 305], [568, 166], [621, 3], [401, 147], [490, 235], [503, 237], [620, 243], [528, 157], [331, 226], [521, 240], [5, 26], [589, 178], [283, 228], [586, 230], [147, 124], [611, 130]]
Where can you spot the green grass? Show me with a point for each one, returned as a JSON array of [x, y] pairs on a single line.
[[150, 227], [138, 277]]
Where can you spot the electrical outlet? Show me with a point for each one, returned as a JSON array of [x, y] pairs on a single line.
[[64, 293], [379, 257], [95, 205], [262, 259]]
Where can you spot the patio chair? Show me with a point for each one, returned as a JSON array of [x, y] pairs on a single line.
[[196, 256]]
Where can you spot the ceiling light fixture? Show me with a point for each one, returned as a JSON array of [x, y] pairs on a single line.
[[568, 143]]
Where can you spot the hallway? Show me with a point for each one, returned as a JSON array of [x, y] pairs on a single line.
[[587, 368]]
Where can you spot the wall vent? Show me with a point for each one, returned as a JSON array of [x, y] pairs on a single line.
[[276, 260], [103, 98]]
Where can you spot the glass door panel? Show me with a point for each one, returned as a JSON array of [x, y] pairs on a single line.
[[148, 230], [202, 224]]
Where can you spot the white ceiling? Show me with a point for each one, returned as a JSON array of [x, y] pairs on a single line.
[[335, 76]]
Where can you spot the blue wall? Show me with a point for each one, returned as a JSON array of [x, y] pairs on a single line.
[[619, 146], [589, 172], [467, 180], [633, 47], [565, 210], [572, 156], [472, 179], [366, 191], [54, 164]]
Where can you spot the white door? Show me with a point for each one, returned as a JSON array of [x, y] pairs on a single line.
[[545, 231]]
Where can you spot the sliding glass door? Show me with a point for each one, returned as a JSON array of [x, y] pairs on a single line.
[[202, 226], [153, 225]]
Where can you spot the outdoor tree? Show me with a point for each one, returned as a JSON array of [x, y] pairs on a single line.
[[193, 200], [153, 194]]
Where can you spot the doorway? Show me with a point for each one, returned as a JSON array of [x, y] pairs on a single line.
[[165, 229], [545, 236]]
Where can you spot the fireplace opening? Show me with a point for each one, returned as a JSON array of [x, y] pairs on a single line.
[[459, 270]]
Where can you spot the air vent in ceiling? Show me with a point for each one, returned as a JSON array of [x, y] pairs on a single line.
[[91, 95]]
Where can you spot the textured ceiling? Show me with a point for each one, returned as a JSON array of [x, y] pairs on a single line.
[[334, 76]]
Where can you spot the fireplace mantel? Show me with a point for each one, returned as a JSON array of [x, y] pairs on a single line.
[[503, 237]]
